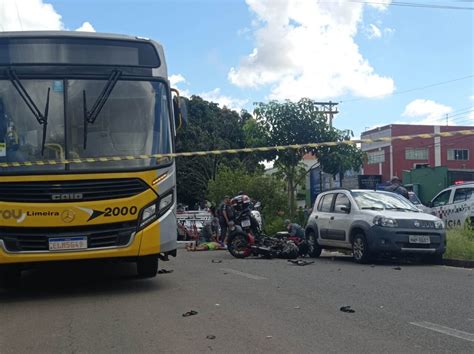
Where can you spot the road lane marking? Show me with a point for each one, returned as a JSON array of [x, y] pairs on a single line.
[[247, 275], [445, 330]]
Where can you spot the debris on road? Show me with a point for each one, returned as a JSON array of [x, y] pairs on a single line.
[[269, 337], [211, 336], [347, 309], [165, 271], [218, 305], [190, 313], [216, 261], [397, 268], [296, 307], [300, 262]]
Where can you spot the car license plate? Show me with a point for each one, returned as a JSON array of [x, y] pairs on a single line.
[[246, 223], [419, 239], [67, 243]]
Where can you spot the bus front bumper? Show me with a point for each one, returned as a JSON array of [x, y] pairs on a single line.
[[141, 243]]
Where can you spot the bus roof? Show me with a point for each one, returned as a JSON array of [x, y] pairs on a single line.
[[75, 35]]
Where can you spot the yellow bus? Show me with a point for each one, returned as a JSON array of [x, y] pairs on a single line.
[[83, 117]]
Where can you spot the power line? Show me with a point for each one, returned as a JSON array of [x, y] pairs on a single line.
[[413, 89], [413, 4]]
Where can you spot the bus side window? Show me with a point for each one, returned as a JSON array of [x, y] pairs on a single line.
[[3, 122], [3, 131]]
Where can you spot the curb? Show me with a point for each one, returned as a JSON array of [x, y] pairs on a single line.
[[458, 263]]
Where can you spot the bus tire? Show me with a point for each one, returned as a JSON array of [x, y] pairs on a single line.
[[147, 266]]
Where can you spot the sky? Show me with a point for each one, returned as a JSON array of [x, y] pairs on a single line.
[[382, 62]]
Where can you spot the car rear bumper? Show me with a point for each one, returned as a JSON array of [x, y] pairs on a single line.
[[396, 240]]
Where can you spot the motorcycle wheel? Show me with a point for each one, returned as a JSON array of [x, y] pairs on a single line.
[[238, 245]]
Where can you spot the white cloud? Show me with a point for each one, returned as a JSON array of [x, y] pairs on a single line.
[[388, 31], [86, 27], [223, 101], [373, 31], [33, 15], [306, 48], [381, 5], [27, 15], [471, 97], [426, 112], [176, 79]]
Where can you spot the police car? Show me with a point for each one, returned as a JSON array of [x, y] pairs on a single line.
[[455, 205]]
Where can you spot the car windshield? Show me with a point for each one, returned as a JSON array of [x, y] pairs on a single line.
[[414, 198], [376, 200], [133, 121]]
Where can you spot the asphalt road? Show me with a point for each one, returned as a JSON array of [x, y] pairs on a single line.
[[250, 305]]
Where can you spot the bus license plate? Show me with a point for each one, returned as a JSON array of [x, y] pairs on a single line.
[[246, 223], [419, 239], [67, 243]]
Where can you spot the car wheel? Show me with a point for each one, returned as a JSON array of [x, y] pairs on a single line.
[[360, 249], [314, 249], [147, 266]]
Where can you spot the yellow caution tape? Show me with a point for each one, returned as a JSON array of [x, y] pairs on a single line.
[[234, 151]]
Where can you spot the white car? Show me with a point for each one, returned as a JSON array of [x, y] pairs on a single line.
[[373, 222], [455, 205]]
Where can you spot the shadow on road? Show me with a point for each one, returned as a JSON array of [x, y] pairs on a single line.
[[77, 280]]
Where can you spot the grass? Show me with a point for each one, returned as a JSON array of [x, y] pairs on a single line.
[[460, 244]]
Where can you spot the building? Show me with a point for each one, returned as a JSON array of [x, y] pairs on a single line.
[[392, 158]]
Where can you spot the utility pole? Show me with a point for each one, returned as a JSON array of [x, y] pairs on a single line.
[[327, 109], [447, 119]]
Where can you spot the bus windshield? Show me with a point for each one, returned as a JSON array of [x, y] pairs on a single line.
[[135, 120]]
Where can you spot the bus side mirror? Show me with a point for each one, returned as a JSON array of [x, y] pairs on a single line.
[[180, 110]]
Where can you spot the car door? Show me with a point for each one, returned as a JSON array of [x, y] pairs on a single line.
[[324, 213], [339, 221], [440, 204], [460, 209]]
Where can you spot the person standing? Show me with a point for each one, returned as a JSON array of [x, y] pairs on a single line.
[[226, 214], [396, 187]]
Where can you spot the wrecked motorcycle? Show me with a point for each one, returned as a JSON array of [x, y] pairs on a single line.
[[302, 244], [243, 243]]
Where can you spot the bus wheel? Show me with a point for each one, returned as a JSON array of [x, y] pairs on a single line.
[[147, 266]]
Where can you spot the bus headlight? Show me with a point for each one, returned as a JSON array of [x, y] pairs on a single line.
[[166, 202], [149, 212], [153, 211]]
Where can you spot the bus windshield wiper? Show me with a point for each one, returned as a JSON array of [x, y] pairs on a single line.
[[42, 118], [91, 116]]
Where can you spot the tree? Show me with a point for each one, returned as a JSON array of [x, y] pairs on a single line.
[[288, 123], [209, 128], [264, 188], [336, 160]]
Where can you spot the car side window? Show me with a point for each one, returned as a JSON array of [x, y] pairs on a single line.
[[342, 200], [442, 199], [462, 194], [325, 203]]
